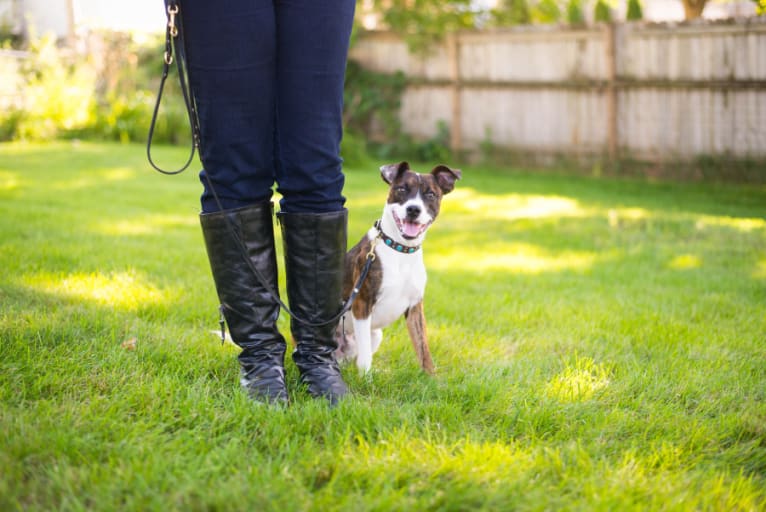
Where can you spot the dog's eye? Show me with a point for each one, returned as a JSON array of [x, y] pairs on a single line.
[[429, 194], [400, 189]]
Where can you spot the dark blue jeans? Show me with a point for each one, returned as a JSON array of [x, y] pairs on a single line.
[[267, 77]]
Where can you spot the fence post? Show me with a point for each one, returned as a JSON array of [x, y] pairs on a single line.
[[611, 90], [453, 54]]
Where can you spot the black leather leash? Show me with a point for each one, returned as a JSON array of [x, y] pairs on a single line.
[[171, 35], [174, 40]]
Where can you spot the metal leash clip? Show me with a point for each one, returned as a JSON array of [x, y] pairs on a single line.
[[172, 11]]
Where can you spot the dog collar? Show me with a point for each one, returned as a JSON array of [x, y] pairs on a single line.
[[393, 244]]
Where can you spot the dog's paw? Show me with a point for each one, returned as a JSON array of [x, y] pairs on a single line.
[[364, 364]]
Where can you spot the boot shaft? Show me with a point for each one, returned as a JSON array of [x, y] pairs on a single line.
[[315, 248], [240, 242]]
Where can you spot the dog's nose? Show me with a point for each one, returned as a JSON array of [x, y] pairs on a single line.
[[413, 211]]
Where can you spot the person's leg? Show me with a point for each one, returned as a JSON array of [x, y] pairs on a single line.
[[230, 48], [312, 45], [231, 53]]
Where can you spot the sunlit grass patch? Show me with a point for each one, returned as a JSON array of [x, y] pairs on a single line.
[[579, 381], [465, 461], [127, 290], [685, 261], [8, 181], [760, 270], [514, 257], [746, 224], [94, 178], [512, 206], [145, 225], [619, 216]]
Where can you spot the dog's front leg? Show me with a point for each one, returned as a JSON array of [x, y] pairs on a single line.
[[416, 325], [362, 332]]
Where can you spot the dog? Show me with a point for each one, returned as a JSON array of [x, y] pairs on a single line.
[[396, 279]]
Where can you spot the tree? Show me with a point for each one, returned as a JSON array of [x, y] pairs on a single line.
[[424, 22], [511, 12]]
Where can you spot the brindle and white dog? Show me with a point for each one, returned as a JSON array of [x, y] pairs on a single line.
[[396, 282]]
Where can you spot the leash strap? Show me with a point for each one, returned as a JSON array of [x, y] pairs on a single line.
[[174, 40]]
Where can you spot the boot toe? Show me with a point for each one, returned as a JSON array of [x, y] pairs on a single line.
[[325, 383]]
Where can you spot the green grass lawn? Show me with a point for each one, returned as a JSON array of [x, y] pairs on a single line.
[[600, 345]]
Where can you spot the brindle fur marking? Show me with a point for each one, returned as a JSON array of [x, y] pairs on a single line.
[[355, 259], [416, 325]]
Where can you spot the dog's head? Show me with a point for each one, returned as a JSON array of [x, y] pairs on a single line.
[[414, 199]]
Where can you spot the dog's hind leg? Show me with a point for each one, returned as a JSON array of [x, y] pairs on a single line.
[[362, 332], [416, 325]]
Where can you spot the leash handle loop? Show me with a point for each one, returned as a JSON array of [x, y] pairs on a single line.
[[174, 41]]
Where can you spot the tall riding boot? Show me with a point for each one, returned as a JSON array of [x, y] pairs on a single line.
[[249, 309], [315, 247]]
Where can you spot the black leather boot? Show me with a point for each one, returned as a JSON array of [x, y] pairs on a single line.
[[315, 247], [249, 310]]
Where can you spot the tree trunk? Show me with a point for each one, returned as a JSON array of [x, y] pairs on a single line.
[[693, 8], [71, 36]]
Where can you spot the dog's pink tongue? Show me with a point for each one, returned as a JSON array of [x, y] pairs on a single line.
[[411, 229]]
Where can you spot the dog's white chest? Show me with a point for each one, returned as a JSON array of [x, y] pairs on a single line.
[[403, 285]]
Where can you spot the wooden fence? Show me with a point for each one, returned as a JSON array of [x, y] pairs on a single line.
[[654, 92]]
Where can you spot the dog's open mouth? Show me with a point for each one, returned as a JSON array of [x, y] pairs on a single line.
[[410, 229]]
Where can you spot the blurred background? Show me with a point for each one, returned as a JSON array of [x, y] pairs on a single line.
[[659, 88]]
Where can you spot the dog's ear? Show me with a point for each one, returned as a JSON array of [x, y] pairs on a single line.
[[392, 171], [446, 177]]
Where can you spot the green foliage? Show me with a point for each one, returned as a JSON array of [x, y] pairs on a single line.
[[424, 22], [371, 113], [435, 149], [635, 12], [602, 12], [65, 96], [598, 344], [575, 14], [546, 11], [353, 150], [511, 12], [58, 95], [371, 101], [760, 7]]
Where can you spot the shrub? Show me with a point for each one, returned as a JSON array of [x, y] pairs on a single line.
[[575, 14], [58, 94], [353, 149], [602, 12], [546, 11], [371, 101], [511, 12], [635, 12], [65, 95]]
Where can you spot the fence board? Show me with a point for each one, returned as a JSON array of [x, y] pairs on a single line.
[[656, 92]]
